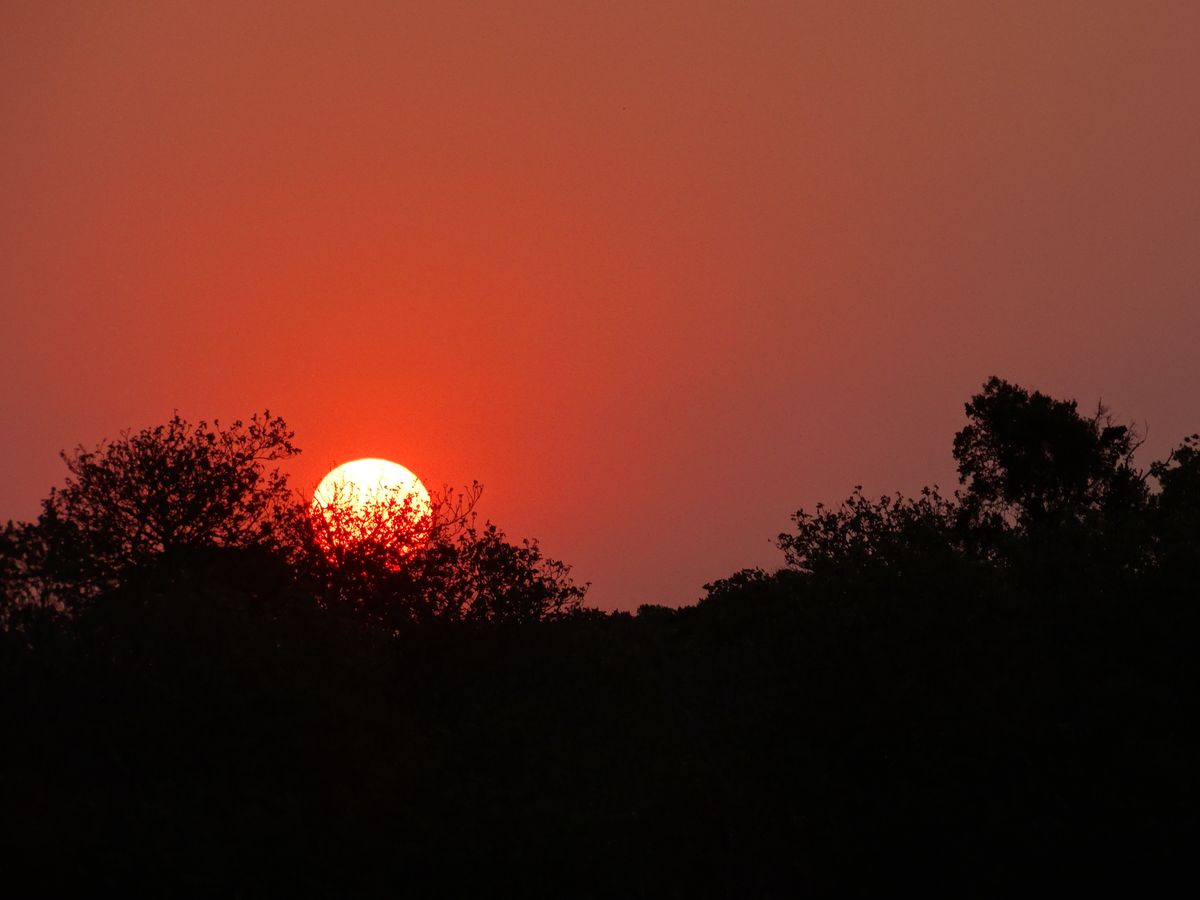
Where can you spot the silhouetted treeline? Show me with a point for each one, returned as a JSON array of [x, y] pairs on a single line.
[[987, 693], [175, 490]]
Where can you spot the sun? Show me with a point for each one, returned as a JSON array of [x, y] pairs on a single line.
[[373, 499]]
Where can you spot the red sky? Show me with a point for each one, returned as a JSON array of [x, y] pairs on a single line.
[[656, 274]]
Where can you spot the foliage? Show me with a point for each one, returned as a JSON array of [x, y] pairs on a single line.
[[352, 552], [1036, 462], [348, 531], [1046, 496], [149, 493], [25, 604], [862, 536], [982, 692], [1177, 509], [394, 564], [162, 493], [484, 577], [1179, 478]]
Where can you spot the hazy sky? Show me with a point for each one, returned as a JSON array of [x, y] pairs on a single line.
[[656, 274]]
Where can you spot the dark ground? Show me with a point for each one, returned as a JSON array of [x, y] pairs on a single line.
[[220, 737]]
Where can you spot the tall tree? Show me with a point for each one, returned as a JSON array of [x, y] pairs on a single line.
[[1034, 461]]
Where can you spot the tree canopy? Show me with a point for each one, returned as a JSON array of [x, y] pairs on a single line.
[[1047, 495], [167, 491], [1036, 462]]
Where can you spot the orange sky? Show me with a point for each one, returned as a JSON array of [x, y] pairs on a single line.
[[656, 276]]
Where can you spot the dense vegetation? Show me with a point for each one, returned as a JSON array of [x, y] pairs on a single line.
[[981, 694]]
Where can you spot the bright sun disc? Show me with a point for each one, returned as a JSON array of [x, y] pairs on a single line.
[[364, 488]]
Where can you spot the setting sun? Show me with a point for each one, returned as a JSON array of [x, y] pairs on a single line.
[[365, 484], [372, 500]]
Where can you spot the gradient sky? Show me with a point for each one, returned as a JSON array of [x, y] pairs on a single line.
[[656, 274]]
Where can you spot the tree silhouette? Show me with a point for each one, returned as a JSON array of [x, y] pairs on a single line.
[[1177, 511], [482, 577], [156, 497], [25, 603], [986, 690], [862, 536], [353, 551], [152, 493], [1035, 461], [1046, 494], [1053, 492], [395, 562]]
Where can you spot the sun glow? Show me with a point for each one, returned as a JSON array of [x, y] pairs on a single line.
[[373, 499]]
